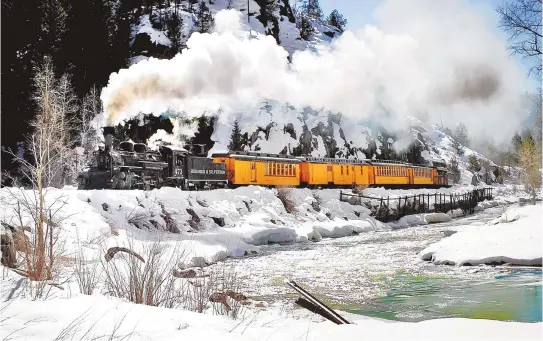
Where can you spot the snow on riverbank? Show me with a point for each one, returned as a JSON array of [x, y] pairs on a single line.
[[212, 225], [515, 237], [97, 317], [209, 225]]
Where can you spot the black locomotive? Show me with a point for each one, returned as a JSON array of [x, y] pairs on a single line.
[[132, 166]]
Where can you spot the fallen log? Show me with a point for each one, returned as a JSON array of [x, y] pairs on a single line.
[[314, 305]]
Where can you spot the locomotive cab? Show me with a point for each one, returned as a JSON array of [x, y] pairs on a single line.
[[175, 158]]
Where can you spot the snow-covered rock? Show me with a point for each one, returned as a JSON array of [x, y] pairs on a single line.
[[208, 226], [516, 238], [421, 219]]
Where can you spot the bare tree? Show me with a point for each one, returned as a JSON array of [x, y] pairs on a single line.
[[530, 162], [521, 19], [66, 107], [88, 129], [48, 144]]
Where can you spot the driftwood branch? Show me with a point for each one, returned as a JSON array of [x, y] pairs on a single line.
[[112, 251]]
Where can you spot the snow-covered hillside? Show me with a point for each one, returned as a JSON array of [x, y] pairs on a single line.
[[280, 23]]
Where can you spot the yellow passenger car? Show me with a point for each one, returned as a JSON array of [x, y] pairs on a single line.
[[248, 168], [390, 174], [332, 172], [422, 176]]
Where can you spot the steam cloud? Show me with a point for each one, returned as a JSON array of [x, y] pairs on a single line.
[[440, 57]]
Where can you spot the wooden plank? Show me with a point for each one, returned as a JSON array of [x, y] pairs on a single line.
[[317, 302]]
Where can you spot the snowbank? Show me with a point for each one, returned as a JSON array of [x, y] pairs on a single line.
[[513, 238], [208, 226], [96, 317]]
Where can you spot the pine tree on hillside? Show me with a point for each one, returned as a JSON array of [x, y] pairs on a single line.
[[52, 34], [461, 135], [204, 17], [120, 35], [516, 141], [174, 25], [205, 130], [473, 164], [305, 27], [337, 20], [89, 43], [312, 9], [453, 167], [236, 143]]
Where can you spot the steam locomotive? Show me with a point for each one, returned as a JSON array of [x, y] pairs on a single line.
[[133, 166]]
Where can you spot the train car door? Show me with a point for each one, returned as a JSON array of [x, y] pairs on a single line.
[[329, 173], [253, 172], [410, 177], [371, 175]]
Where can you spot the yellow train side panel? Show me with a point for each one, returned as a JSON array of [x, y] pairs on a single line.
[[391, 180], [245, 172], [342, 174], [318, 174], [362, 174], [423, 181]]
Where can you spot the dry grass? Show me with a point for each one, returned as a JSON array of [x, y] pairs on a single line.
[[146, 282], [284, 194], [154, 279]]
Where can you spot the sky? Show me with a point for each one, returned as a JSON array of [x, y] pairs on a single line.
[[360, 13]]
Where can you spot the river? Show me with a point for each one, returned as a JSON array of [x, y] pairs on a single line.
[[379, 274]]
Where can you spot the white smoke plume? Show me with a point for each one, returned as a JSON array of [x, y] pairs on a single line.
[[438, 57]]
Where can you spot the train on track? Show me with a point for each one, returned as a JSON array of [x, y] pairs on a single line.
[[132, 166]]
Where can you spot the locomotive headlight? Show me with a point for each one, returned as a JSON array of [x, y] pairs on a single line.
[[122, 175]]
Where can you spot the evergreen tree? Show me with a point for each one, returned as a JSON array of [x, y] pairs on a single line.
[[88, 46], [236, 143], [204, 17], [337, 20], [120, 34], [473, 164], [205, 130], [174, 24], [453, 167], [516, 141], [312, 9], [20, 32], [52, 31], [461, 135], [305, 27]]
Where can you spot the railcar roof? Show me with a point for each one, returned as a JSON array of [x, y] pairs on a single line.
[[258, 156], [311, 159]]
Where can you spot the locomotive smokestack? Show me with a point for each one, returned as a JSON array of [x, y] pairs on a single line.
[[108, 137]]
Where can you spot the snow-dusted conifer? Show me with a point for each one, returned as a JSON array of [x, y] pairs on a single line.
[[337, 20], [236, 143]]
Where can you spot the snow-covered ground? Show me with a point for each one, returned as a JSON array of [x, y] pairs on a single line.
[[100, 318], [212, 226], [515, 238]]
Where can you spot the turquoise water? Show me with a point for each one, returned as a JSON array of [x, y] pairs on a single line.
[[516, 296]]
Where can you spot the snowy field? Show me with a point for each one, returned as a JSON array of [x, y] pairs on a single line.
[[211, 226]]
